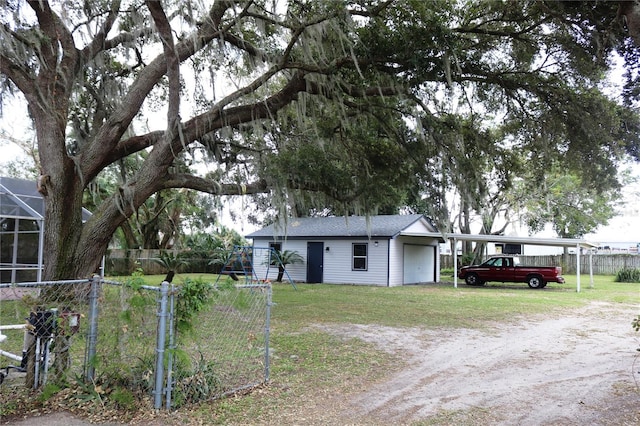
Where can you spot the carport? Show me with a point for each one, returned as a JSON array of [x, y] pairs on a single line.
[[555, 242]]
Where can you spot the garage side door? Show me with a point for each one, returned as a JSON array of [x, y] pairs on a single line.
[[419, 264]]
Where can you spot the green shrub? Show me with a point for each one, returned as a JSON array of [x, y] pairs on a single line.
[[193, 297], [8, 408], [446, 272], [467, 259], [48, 391], [628, 275], [197, 384], [123, 398]]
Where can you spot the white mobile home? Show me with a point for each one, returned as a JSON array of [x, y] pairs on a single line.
[[385, 250]]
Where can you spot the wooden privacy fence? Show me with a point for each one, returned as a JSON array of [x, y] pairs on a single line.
[[120, 262], [124, 262], [603, 264]]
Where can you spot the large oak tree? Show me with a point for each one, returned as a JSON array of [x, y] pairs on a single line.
[[249, 82]]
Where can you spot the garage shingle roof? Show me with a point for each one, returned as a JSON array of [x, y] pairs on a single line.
[[352, 226]]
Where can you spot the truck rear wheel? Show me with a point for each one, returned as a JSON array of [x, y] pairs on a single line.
[[535, 281], [473, 279]]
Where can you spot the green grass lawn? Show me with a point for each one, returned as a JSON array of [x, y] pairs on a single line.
[[437, 305], [431, 305]]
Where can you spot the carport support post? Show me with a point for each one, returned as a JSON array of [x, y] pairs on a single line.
[[454, 251], [578, 267], [590, 268]]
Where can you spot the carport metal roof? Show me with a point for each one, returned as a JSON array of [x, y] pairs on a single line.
[[556, 242]]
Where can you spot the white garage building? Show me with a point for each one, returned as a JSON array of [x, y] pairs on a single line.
[[384, 250]]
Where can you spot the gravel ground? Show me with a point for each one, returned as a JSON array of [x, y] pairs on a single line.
[[577, 369]]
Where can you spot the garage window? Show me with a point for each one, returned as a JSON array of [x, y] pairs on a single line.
[[276, 246], [359, 257]]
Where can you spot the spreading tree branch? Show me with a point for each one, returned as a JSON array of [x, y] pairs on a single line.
[[211, 187]]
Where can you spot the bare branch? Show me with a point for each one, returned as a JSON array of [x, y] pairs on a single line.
[[199, 126], [374, 11], [56, 32], [17, 36], [173, 66], [18, 75], [132, 145], [211, 187], [112, 130], [98, 42]]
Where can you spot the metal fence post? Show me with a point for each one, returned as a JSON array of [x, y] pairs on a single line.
[[160, 344], [172, 322], [266, 335], [92, 334]]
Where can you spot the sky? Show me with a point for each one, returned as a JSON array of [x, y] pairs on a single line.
[[623, 228]]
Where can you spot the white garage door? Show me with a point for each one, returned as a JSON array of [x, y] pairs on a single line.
[[419, 264]]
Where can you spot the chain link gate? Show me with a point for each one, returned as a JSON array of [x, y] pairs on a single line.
[[232, 352]]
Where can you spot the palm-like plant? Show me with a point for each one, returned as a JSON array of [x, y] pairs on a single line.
[[284, 258], [170, 261]]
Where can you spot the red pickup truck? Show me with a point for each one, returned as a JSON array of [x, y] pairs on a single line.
[[506, 269]]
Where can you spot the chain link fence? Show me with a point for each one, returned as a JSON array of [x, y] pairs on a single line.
[[178, 344]]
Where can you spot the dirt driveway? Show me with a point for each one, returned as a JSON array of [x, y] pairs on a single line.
[[581, 368]]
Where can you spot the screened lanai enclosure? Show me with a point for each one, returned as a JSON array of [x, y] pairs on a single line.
[[21, 231]]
